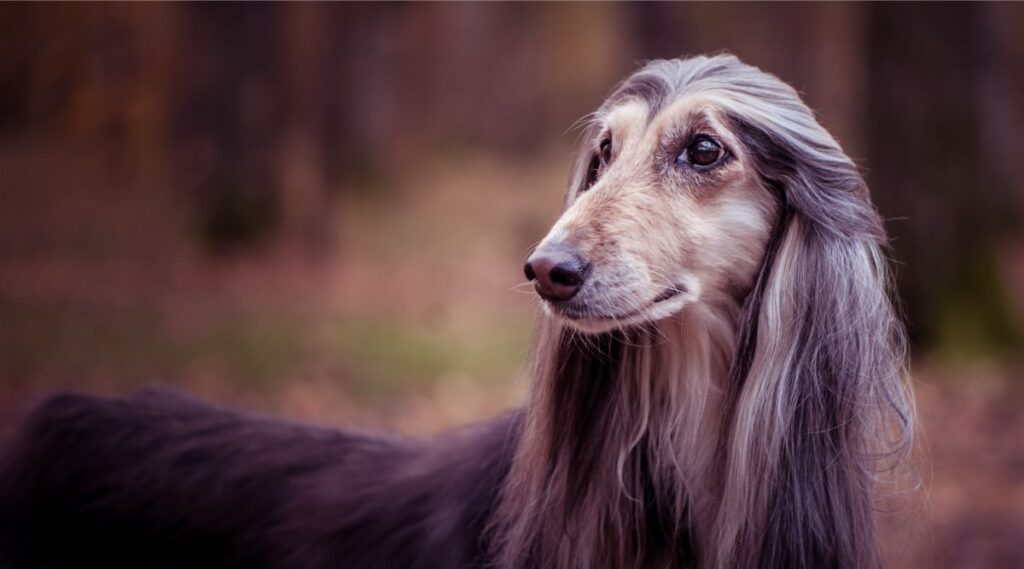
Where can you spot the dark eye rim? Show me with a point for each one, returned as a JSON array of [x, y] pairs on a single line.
[[683, 156], [604, 150], [598, 160]]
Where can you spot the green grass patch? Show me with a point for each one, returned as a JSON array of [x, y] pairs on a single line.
[[386, 358]]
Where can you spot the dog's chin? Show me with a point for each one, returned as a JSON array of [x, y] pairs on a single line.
[[594, 321]]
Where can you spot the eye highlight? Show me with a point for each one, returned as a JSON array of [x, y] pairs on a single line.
[[702, 152], [598, 162]]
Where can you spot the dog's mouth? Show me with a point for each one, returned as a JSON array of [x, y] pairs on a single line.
[[574, 310]]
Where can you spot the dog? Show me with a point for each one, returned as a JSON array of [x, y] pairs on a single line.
[[718, 380]]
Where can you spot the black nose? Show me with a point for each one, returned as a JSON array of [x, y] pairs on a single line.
[[558, 272]]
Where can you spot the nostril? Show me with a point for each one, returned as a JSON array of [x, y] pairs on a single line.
[[528, 271], [566, 275]]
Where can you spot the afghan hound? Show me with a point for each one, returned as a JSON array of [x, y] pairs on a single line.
[[718, 381]]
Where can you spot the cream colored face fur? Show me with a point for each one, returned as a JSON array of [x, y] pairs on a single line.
[[659, 232]]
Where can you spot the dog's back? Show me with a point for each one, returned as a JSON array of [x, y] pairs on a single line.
[[161, 480]]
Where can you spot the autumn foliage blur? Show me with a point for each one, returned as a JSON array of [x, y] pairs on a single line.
[[321, 209]]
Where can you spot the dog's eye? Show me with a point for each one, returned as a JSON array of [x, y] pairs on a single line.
[[604, 153], [703, 151], [598, 163]]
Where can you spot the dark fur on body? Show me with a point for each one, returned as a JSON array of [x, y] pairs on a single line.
[[161, 480]]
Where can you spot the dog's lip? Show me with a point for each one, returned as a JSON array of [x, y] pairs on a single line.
[[569, 310]]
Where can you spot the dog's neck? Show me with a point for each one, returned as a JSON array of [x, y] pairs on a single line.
[[621, 437]]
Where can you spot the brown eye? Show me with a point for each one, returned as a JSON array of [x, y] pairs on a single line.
[[598, 163], [703, 151]]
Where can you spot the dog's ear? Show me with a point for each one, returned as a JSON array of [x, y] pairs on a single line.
[[820, 376]]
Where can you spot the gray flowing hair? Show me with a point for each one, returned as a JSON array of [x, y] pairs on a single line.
[[758, 434]]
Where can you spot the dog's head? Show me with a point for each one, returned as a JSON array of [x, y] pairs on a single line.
[[680, 178]]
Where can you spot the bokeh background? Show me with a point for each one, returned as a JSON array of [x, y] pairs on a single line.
[[321, 210]]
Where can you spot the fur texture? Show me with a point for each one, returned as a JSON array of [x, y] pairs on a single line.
[[726, 390], [748, 425], [160, 480]]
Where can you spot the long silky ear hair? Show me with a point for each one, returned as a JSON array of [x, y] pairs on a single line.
[[821, 408], [611, 471]]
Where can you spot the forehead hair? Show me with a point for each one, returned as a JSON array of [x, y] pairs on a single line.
[[793, 154], [662, 81]]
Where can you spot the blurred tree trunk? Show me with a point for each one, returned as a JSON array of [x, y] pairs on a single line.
[[931, 167], [314, 55], [17, 35], [228, 120]]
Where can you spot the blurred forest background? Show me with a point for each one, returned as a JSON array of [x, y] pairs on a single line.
[[321, 210]]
